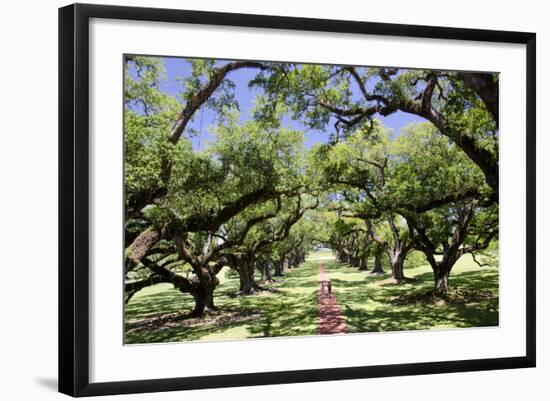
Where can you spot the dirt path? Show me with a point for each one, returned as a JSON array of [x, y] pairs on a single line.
[[331, 320]]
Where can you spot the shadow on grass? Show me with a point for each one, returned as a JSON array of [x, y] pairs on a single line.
[[287, 308], [370, 303]]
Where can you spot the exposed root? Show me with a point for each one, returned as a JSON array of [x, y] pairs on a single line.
[[204, 313], [253, 291]]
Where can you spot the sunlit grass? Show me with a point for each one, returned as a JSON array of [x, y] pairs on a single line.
[[288, 311], [369, 304], [320, 255]]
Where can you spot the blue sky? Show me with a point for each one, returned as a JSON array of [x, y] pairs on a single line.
[[179, 67]]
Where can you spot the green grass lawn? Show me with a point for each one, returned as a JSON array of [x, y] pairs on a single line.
[[320, 255], [289, 310], [369, 303], [374, 303]]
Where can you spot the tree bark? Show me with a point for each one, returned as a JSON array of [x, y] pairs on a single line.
[[345, 257], [441, 279], [364, 263], [286, 264], [486, 87], [266, 271], [248, 284], [279, 269], [139, 247], [480, 155], [131, 288], [397, 261], [204, 299], [377, 269]]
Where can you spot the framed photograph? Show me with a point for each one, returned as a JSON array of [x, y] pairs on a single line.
[[251, 199]]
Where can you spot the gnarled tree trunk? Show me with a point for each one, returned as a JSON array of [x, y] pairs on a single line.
[[442, 270], [265, 268], [441, 278], [202, 290], [246, 276], [377, 269], [364, 263], [204, 300], [397, 260], [245, 269], [279, 266]]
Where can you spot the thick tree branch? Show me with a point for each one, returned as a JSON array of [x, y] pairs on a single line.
[[140, 246], [204, 93], [131, 288], [368, 96], [481, 156], [438, 202], [239, 238], [486, 88], [180, 282]]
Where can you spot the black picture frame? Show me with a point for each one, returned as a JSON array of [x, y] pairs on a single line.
[[74, 198]]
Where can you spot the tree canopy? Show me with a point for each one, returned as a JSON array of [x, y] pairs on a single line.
[[255, 198]]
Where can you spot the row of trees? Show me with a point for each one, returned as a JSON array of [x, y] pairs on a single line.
[[380, 181], [236, 203], [434, 188], [245, 200]]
